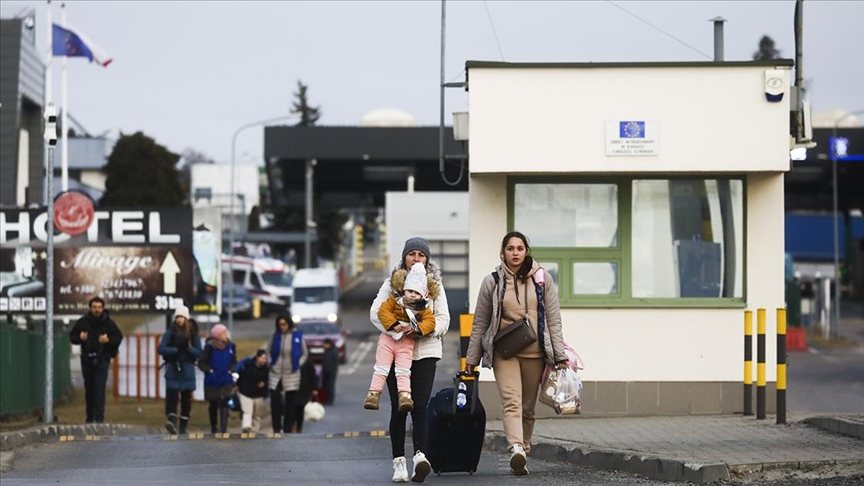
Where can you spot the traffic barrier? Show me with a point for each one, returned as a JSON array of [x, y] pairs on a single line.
[[760, 364], [748, 362], [781, 366], [138, 372]]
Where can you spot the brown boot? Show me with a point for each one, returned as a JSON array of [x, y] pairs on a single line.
[[406, 404], [372, 399]]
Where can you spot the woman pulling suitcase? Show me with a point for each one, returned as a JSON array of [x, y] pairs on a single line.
[[427, 351]]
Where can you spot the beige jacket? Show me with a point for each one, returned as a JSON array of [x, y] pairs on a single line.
[[487, 320]]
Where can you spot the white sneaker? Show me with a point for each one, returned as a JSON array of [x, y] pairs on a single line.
[[518, 462], [400, 472], [421, 467]]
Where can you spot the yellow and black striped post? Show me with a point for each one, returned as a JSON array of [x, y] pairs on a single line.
[[781, 366], [760, 364], [465, 323], [748, 362]]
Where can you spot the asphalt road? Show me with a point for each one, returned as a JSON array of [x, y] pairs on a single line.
[[340, 449]]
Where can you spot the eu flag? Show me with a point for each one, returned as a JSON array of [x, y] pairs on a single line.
[[631, 129], [66, 42]]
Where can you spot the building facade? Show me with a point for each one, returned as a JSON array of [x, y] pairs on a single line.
[[22, 91], [653, 195]]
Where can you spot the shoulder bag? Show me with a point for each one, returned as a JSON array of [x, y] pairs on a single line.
[[514, 338]]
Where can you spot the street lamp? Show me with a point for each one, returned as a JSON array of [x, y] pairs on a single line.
[[833, 148], [231, 208]]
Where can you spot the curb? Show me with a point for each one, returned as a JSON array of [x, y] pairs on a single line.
[[50, 433], [652, 467], [838, 425]]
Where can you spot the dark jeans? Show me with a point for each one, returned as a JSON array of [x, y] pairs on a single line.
[[328, 383], [171, 395], [95, 379], [422, 379], [220, 408], [283, 409]]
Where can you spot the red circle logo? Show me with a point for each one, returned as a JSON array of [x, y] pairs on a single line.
[[73, 213]]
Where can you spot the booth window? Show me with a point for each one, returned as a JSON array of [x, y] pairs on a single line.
[[636, 241]]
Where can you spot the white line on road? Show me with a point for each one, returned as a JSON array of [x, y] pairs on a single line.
[[357, 357]]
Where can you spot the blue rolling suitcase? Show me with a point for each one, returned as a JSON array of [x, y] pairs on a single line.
[[457, 426]]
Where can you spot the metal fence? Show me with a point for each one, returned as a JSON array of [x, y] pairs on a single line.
[[22, 369]]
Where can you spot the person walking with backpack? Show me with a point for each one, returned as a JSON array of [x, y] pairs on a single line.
[[180, 347], [518, 293], [100, 339], [218, 361]]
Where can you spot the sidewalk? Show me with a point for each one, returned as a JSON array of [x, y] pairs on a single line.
[[700, 449]]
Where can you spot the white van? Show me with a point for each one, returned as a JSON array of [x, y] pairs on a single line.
[[316, 295], [266, 279]]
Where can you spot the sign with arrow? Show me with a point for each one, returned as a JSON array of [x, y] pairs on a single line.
[[169, 271], [139, 260]]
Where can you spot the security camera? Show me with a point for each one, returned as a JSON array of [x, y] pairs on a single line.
[[29, 22], [51, 125]]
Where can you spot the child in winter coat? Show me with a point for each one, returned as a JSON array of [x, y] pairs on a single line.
[[395, 345], [252, 375], [218, 361]]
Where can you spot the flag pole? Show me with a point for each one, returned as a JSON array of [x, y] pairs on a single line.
[[49, 98], [64, 162]]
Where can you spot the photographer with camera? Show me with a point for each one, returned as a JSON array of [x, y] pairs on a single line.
[[99, 338]]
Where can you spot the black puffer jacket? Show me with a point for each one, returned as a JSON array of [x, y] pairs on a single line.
[[250, 375], [94, 327]]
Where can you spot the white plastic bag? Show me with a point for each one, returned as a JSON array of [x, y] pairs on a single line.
[[562, 391], [313, 411]]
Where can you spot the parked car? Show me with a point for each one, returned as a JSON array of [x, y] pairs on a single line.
[[241, 304], [314, 334]]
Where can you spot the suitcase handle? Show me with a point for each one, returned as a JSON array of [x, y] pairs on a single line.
[[465, 376]]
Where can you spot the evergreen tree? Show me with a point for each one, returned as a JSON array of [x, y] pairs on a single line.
[[309, 115], [766, 51], [140, 172], [330, 233]]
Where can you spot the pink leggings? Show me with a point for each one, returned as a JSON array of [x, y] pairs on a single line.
[[389, 350]]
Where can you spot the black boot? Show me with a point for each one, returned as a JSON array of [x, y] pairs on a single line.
[[184, 421], [223, 419], [171, 424]]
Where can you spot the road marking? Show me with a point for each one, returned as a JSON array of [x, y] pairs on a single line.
[[358, 357]]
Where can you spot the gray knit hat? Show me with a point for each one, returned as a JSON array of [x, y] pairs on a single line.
[[416, 243]]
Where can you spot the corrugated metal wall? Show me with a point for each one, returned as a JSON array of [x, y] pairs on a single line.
[[22, 369]]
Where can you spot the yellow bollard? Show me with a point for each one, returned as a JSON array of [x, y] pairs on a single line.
[[465, 323], [760, 364], [748, 362], [256, 308]]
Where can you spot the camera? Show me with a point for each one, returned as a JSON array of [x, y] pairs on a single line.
[[51, 125], [95, 359]]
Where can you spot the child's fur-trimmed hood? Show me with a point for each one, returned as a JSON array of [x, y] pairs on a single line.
[[433, 276]]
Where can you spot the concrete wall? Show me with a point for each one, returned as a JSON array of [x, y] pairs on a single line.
[[711, 119], [218, 178], [432, 215]]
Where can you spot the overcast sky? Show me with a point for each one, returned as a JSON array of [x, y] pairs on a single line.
[[189, 74]]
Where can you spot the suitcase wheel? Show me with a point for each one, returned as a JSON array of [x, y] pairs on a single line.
[[470, 473]]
